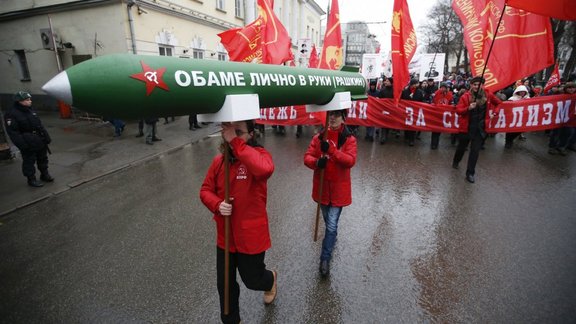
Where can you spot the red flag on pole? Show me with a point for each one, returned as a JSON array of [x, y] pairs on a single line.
[[277, 45], [332, 51], [559, 9], [313, 61], [244, 44], [403, 45], [553, 80], [514, 56]]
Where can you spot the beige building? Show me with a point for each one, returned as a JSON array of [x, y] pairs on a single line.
[[83, 29]]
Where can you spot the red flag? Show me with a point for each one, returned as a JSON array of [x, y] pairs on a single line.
[[244, 44], [554, 79], [332, 51], [514, 55], [277, 45], [559, 9], [403, 45], [313, 61]]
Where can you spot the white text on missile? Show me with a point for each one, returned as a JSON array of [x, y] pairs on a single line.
[[239, 79]]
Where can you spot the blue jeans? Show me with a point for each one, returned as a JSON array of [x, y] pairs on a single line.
[[331, 215]]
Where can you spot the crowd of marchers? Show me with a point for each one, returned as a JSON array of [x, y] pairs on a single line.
[[449, 92]]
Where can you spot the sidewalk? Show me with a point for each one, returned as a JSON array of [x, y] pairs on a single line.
[[86, 150]]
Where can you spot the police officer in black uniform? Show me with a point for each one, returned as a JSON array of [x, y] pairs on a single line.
[[29, 135]]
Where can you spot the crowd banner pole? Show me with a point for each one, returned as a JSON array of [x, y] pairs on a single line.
[[320, 189]]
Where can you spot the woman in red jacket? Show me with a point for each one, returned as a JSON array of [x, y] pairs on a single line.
[[474, 108], [250, 167], [336, 154]]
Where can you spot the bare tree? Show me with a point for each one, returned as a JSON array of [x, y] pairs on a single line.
[[443, 32]]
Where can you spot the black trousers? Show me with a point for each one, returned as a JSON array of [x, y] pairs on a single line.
[[409, 135], [29, 158], [475, 146], [511, 136], [192, 121], [253, 273], [435, 140]]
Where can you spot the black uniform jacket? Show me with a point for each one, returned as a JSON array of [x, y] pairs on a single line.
[[25, 129]]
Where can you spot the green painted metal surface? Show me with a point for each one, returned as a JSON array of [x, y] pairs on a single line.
[[137, 86]]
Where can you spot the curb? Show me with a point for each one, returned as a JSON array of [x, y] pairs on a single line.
[[82, 181]]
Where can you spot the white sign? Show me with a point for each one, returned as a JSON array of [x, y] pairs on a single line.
[[372, 66], [304, 49], [432, 66], [387, 64]]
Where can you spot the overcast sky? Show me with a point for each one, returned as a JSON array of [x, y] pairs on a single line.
[[379, 11]]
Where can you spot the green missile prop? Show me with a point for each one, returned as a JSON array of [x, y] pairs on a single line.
[[137, 86]]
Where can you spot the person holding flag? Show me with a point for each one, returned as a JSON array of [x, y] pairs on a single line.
[[474, 107], [334, 151], [250, 166]]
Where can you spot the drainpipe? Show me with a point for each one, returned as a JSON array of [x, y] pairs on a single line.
[[129, 4]]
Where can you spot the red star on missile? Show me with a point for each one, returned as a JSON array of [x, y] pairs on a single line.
[[153, 78]]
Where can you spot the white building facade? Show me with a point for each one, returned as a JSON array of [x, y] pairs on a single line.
[[84, 29]]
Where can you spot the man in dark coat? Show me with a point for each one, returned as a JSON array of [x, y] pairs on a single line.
[[29, 135], [474, 108], [387, 91], [414, 93]]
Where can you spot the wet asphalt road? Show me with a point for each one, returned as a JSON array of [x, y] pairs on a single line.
[[418, 244]]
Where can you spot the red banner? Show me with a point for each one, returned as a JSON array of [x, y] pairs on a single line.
[[403, 45], [527, 115], [244, 44], [313, 62], [514, 55], [332, 52], [554, 79], [559, 9], [277, 47]]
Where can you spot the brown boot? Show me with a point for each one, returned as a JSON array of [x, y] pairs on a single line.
[[270, 295]]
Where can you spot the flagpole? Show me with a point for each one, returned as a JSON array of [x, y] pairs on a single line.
[[320, 189], [226, 232], [494, 40]]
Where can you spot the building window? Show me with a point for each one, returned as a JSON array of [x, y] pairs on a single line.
[[220, 4], [221, 56], [239, 8], [165, 50], [198, 53], [24, 71]]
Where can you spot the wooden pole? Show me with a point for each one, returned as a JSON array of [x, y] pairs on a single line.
[[493, 41], [320, 188], [226, 233]]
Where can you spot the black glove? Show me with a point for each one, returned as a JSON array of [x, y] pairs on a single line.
[[321, 163], [324, 146]]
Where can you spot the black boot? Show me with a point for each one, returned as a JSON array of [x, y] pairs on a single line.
[[33, 182], [324, 268], [46, 177]]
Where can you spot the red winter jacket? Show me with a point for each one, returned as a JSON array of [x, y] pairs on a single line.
[[249, 174], [337, 189], [462, 109], [441, 98]]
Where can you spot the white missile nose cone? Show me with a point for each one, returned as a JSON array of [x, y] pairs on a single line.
[[59, 88]]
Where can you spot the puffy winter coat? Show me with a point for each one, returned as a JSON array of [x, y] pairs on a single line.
[[249, 173], [464, 102], [337, 188], [25, 129]]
